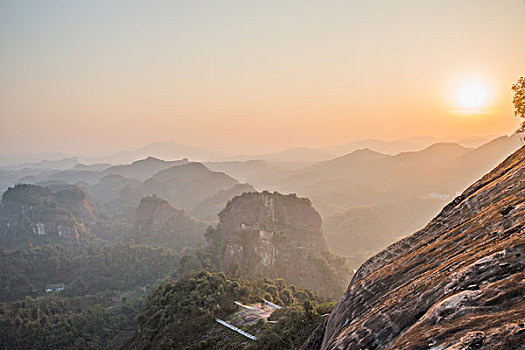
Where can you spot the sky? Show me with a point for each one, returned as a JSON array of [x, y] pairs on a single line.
[[253, 76]]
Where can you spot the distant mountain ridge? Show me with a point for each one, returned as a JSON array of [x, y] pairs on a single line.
[[404, 145], [187, 185], [413, 185], [62, 164], [164, 150], [455, 284], [294, 154], [171, 150], [143, 168], [118, 190], [442, 168], [140, 170]]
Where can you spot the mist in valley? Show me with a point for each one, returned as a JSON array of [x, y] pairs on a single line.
[[181, 175]]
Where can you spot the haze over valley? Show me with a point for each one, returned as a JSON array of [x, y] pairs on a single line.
[[367, 199], [262, 175]]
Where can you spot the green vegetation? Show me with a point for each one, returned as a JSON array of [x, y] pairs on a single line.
[[294, 325], [26, 194], [92, 270], [519, 100], [181, 313], [54, 322], [333, 269], [45, 216], [108, 263]]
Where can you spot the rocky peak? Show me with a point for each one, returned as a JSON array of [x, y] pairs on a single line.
[[28, 211], [153, 213], [275, 235], [456, 284], [276, 213]]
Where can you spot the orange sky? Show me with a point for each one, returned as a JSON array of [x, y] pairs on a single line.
[[251, 76]]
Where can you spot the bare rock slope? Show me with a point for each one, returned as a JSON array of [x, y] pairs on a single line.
[[456, 284], [55, 212]]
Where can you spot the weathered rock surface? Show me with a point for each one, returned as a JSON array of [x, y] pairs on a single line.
[[456, 284], [274, 235], [30, 211]]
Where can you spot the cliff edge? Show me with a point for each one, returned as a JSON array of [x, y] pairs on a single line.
[[274, 235], [456, 284]]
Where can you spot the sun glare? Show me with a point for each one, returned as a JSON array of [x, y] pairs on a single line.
[[472, 96]]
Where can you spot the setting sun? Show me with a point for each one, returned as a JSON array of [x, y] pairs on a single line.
[[472, 96], [262, 174]]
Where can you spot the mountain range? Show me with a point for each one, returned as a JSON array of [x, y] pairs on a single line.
[[96, 235], [171, 150], [455, 284], [397, 193]]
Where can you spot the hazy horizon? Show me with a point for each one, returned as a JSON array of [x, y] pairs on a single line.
[[179, 174], [239, 77], [170, 151]]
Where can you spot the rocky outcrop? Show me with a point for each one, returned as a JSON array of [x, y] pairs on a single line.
[[77, 200], [30, 211], [274, 235], [456, 284], [156, 221]]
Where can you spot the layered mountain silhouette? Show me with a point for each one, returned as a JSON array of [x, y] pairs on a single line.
[[398, 193], [455, 284], [158, 223], [116, 189], [369, 199]]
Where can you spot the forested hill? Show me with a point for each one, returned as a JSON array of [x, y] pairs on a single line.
[[180, 314]]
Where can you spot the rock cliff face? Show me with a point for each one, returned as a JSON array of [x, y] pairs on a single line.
[[456, 284], [32, 211], [77, 200], [273, 235], [156, 221]]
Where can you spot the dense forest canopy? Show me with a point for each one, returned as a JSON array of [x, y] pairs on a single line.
[[134, 280]]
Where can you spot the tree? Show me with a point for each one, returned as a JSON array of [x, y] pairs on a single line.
[[519, 101]]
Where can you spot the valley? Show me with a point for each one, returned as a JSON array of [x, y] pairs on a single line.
[[123, 241]]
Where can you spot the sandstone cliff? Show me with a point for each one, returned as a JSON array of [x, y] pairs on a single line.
[[456, 284], [275, 235], [29, 211]]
